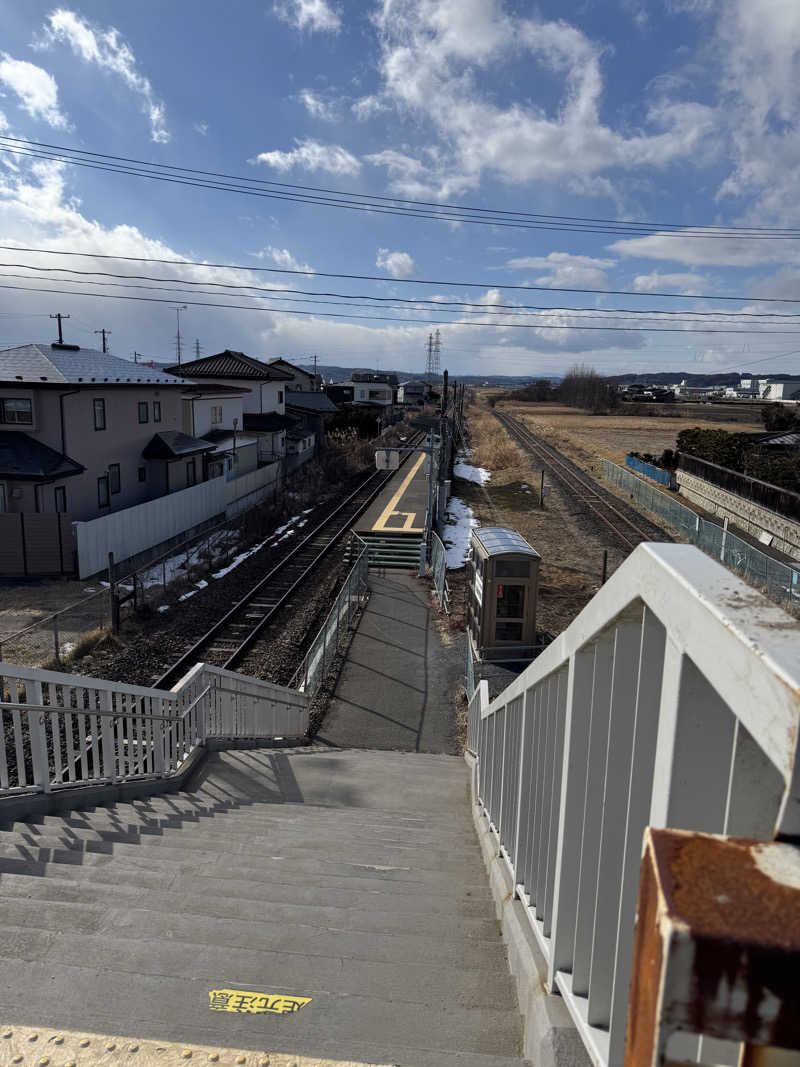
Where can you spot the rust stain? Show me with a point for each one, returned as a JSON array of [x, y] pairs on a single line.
[[642, 1025], [745, 927]]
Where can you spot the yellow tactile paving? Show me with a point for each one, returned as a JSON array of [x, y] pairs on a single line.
[[43, 1047]]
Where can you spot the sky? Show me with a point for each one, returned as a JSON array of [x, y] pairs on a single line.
[[676, 113]]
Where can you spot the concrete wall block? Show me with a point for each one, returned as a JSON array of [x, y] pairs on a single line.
[[745, 514]]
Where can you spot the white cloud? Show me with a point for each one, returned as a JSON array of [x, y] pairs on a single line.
[[691, 7], [682, 283], [708, 251], [312, 155], [36, 88], [435, 51], [317, 106], [566, 271], [367, 107], [398, 264], [283, 258], [201, 128], [557, 259], [758, 44], [309, 14], [107, 50]]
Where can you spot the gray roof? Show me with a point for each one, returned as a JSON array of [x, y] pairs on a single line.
[[23, 457], [307, 401], [44, 364], [230, 364], [172, 444], [497, 541]]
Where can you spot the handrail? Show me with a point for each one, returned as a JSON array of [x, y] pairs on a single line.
[[50, 709], [672, 700]]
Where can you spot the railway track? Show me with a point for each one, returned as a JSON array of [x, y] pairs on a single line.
[[603, 506], [233, 635]]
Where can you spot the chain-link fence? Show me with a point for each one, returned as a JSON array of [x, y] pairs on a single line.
[[61, 636], [439, 571], [312, 672], [778, 581]]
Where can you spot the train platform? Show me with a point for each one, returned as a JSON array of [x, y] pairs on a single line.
[[401, 507], [399, 684]]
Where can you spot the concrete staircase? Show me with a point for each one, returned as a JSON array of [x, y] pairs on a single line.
[[393, 549], [352, 878]]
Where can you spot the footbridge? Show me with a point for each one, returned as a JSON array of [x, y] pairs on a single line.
[[610, 875]]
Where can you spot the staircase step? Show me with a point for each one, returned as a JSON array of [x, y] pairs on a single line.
[[235, 933], [349, 914], [177, 1008], [412, 983]]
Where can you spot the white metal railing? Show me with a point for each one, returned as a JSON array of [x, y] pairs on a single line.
[[59, 730], [311, 673], [439, 571], [673, 700]]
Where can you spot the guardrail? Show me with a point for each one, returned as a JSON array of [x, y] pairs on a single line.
[[60, 730], [673, 700], [439, 571], [310, 675]]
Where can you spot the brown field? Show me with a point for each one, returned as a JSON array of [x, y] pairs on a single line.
[[589, 438]]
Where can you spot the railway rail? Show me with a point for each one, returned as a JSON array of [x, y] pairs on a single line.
[[234, 635], [603, 506]]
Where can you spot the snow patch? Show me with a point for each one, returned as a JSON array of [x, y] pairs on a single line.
[[469, 473], [460, 521]]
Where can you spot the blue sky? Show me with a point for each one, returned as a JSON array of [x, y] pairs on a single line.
[[680, 111]]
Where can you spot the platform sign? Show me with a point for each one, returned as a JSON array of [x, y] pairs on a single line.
[[387, 459]]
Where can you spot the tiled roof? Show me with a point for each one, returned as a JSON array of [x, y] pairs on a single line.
[[229, 364], [172, 444], [42, 364], [268, 422], [306, 401], [22, 456]]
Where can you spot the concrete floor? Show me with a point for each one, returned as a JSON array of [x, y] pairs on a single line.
[[397, 688]]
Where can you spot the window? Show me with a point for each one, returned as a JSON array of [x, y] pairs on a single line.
[[510, 601], [191, 475], [60, 497], [99, 414], [15, 409], [113, 477], [142, 472], [512, 568], [156, 411], [280, 396], [103, 499], [216, 414], [216, 468], [144, 414], [2, 498]]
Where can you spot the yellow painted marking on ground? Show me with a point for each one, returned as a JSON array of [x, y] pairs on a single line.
[[407, 526], [79, 1049], [388, 511], [241, 1000]]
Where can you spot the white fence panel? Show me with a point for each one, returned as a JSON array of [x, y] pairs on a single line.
[[250, 489], [672, 700]]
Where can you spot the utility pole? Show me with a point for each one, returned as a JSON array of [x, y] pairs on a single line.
[[135, 356], [178, 309], [105, 333], [59, 316]]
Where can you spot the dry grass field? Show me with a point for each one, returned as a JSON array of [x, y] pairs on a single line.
[[589, 438]]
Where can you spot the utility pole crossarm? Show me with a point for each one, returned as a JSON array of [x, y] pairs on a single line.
[[59, 316]]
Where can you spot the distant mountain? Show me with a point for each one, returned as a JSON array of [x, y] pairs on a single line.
[[331, 372]]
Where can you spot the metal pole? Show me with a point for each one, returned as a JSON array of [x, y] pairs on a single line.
[[605, 566], [724, 539], [541, 492], [429, 517], [55, 638]]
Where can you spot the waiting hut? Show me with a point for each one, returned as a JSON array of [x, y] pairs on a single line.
[[503, 582]]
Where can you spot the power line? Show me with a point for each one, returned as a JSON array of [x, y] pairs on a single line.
[[389, 318], [364, 201], [396, 281]]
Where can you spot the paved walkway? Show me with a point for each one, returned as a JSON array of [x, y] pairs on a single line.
[[397, 687]]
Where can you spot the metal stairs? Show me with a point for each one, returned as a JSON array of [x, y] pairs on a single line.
[[350, 878], [393, 550]]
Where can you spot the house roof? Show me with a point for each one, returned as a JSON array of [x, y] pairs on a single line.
[[25, 458], [211, 390], [230, 364], [286, 363], [267, 422], [172, 444], [320, 403], [223, 440], [51, 364]]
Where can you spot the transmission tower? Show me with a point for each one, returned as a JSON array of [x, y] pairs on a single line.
[[433, 354], [198, 348]]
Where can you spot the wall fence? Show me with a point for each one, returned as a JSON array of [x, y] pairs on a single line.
[[779, 581]]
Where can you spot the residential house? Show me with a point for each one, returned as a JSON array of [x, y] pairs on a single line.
[[301, 379], [75, 425], [311, 412], [216, 414], [264, 418], [414, 392], [340, 393]]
